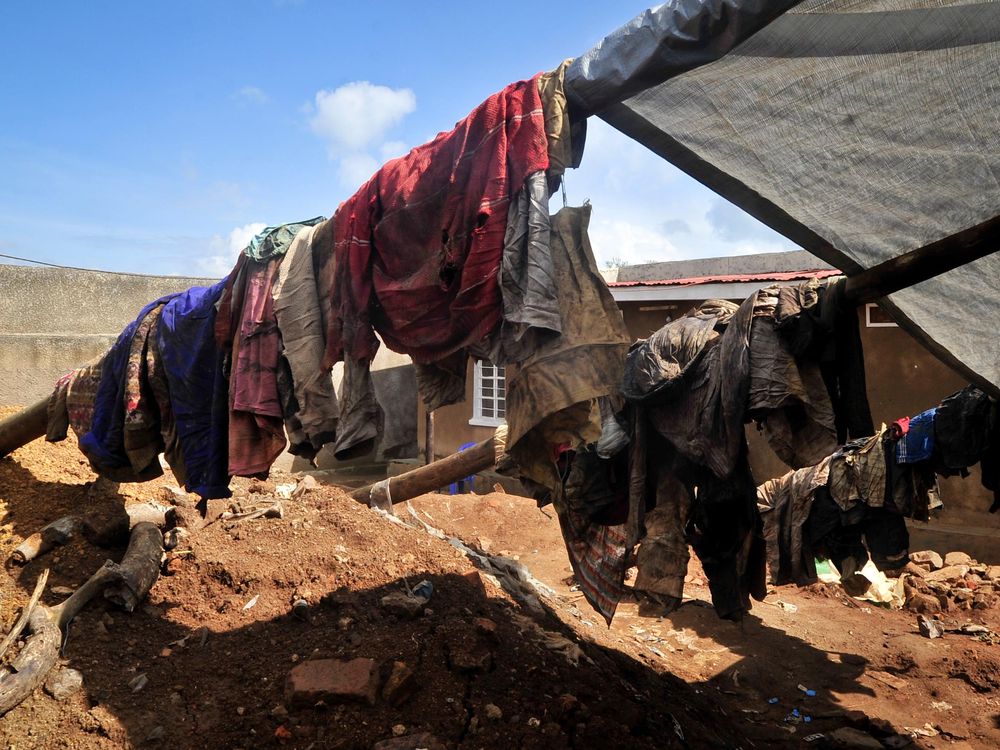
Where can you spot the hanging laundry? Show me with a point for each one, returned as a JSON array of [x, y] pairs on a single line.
[[248, 327], [417, 250], [297, 311], [918, 442], [199, 389], [274, 241], [819, 325], [119, 409], [785, 504]]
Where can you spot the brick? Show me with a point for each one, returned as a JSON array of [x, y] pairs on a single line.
[[332, 680]]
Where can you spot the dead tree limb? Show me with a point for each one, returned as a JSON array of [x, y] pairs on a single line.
[[23, 427], [125, 584], [32, 665], [434, 475], [56, 533], [22, 621]]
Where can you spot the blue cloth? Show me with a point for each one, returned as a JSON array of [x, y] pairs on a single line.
[[104, 444], [199, 389], [918, 442]]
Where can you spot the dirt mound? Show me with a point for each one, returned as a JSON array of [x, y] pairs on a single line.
[[204, 663]]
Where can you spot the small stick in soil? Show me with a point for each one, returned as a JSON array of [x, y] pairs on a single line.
[[26, 614]]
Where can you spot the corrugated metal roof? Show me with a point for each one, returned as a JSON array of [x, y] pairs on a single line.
[[736, 278]]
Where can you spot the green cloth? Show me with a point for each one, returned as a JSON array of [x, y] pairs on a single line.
[[276, 240]]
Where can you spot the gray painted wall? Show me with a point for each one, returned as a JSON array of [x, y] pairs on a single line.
[[53, 320]]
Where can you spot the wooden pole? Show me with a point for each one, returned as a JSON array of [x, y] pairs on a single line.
[[924, 263], [429, 438], [431, 477], [21, 428]]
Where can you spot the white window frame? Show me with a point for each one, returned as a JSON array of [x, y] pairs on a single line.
[[868, 317], [488, 373]]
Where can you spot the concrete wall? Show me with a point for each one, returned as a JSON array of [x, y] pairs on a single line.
[[451, 423], [53, 320]]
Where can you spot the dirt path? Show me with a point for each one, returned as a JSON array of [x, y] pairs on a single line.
[[869, 667], [204, 663]]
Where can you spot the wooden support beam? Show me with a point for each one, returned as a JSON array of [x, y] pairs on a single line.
[[924, 263], [21, 428], [433, 476]]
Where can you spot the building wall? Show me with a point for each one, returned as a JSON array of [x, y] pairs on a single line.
[[53, 320], [451, 423]]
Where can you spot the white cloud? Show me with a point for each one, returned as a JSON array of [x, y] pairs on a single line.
[[227, 249], [633, 243], [358, 115], [355, 169], [251, 95], [647, 210]]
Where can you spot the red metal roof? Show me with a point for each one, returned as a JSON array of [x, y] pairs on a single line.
[[732, 278]]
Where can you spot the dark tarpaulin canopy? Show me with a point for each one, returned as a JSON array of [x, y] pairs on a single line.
[[859, 129]]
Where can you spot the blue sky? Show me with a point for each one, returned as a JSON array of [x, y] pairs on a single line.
[[157, 137]]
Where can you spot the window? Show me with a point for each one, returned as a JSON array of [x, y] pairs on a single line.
[[875, 317], [489, 396]]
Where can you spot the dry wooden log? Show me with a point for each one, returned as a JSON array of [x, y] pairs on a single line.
[[32, 665], [434, 475], [56, 533], [125, 584], [22, 621], [23, 427]]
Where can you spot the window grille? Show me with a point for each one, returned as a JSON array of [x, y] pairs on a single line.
[[489, 395]]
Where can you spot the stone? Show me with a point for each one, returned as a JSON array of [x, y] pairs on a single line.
[[476, 581], [958, 558], [63, 682], [307, 483], [492, 712], [927, 557], [332, 680], [421, 741], [930, 628], [403, 605], [400, 685], [852, 739], [923, 603], [467, 655], [566, 705], [486, 628], [992, 573], [984, 601], [215, 507], [948, 573]]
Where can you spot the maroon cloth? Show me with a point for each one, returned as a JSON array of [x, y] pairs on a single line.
[[246, 320], [417, 250]]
